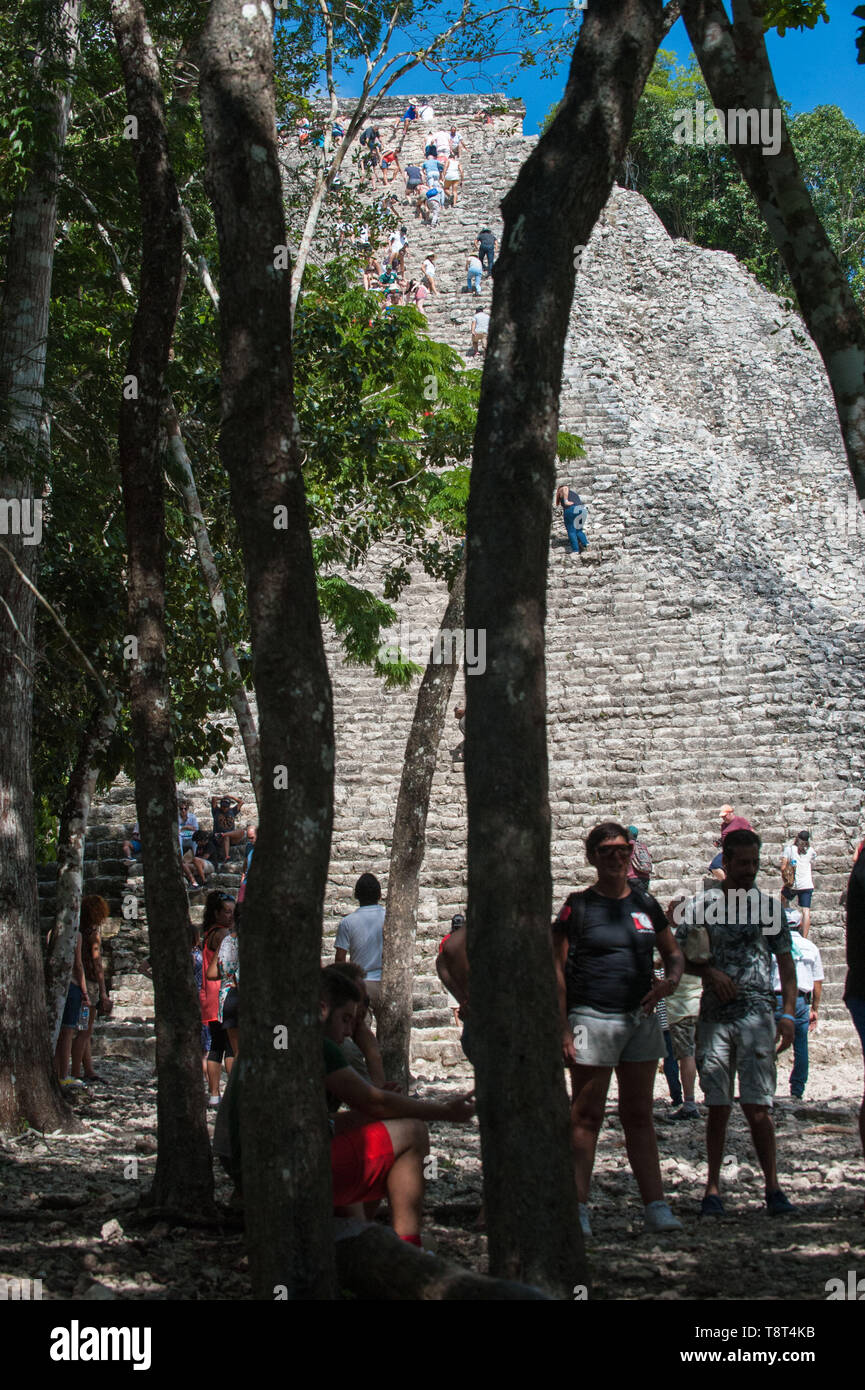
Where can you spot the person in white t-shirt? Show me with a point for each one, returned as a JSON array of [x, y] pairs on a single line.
[[429, 272], [800, 856], [809, 987], [360, 937], [480, 329]]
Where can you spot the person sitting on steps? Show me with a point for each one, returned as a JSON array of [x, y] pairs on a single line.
[[226, 831]]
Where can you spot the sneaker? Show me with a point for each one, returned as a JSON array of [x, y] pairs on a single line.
[[712, 1206], [688, 1111], [212, 1102], [660, 1218], [585, 1223], [72, 1083], [779, 1205]]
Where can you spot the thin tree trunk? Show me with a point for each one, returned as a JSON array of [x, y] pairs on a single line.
[[28, 1090], [70, 858], [207, 560], [522, 1106], [183, 1180], [189, 493], [285, 1137], [736, 67], [409, 838]]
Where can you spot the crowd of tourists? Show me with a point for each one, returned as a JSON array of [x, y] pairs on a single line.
[[426, 189], [714, 986], [203, 852], [728, 976]]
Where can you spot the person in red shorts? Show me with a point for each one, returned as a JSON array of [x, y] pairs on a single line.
[[380, 1143], [378, 1146]]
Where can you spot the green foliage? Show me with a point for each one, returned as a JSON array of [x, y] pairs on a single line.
[[28, 79], [44, 830], [795, 14], [569, 446], [699, 194]]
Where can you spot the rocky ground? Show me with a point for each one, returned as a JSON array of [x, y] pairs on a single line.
[[68, 1209]]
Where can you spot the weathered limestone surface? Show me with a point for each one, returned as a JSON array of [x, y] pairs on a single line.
[[712, 646]]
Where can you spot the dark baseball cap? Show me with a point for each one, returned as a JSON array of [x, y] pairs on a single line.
[[458, 921]]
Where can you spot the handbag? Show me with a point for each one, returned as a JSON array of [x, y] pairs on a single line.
[[788, 874]]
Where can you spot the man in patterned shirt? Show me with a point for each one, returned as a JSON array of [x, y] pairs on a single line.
[[729, 935]]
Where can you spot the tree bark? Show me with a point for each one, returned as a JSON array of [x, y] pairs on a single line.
[[531, 1203], [285, 1137], [70, 858], [736, 67], [375, 1264], [207, 560], [183, 1180], [28, 1091], [409, 839]]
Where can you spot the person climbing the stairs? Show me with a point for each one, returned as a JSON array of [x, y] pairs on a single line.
[[474, 271], [429, 272], [480, 329], [574, 511], [457, 143], [486, 245], [453, 179]]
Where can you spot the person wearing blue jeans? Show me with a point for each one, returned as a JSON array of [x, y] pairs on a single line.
[[486, 248], [809, 987], [574, 512], [671, 1071], [799, 1074], [474, 273]]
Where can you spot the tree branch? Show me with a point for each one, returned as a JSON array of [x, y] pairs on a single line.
[[52, 612]]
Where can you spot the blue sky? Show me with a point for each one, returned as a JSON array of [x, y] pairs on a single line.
[[813, 68]]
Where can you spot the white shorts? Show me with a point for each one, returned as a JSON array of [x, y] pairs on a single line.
[[605, 1040]]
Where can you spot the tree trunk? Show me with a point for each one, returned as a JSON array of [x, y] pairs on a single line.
[[183, 1180], [286, 1142], [522, 1106], [375, 1264], [207, 560], [409, 838], [736, 67], [70, 858], [28, 1091]]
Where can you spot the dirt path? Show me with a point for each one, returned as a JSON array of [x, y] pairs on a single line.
[[67, 1214]]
